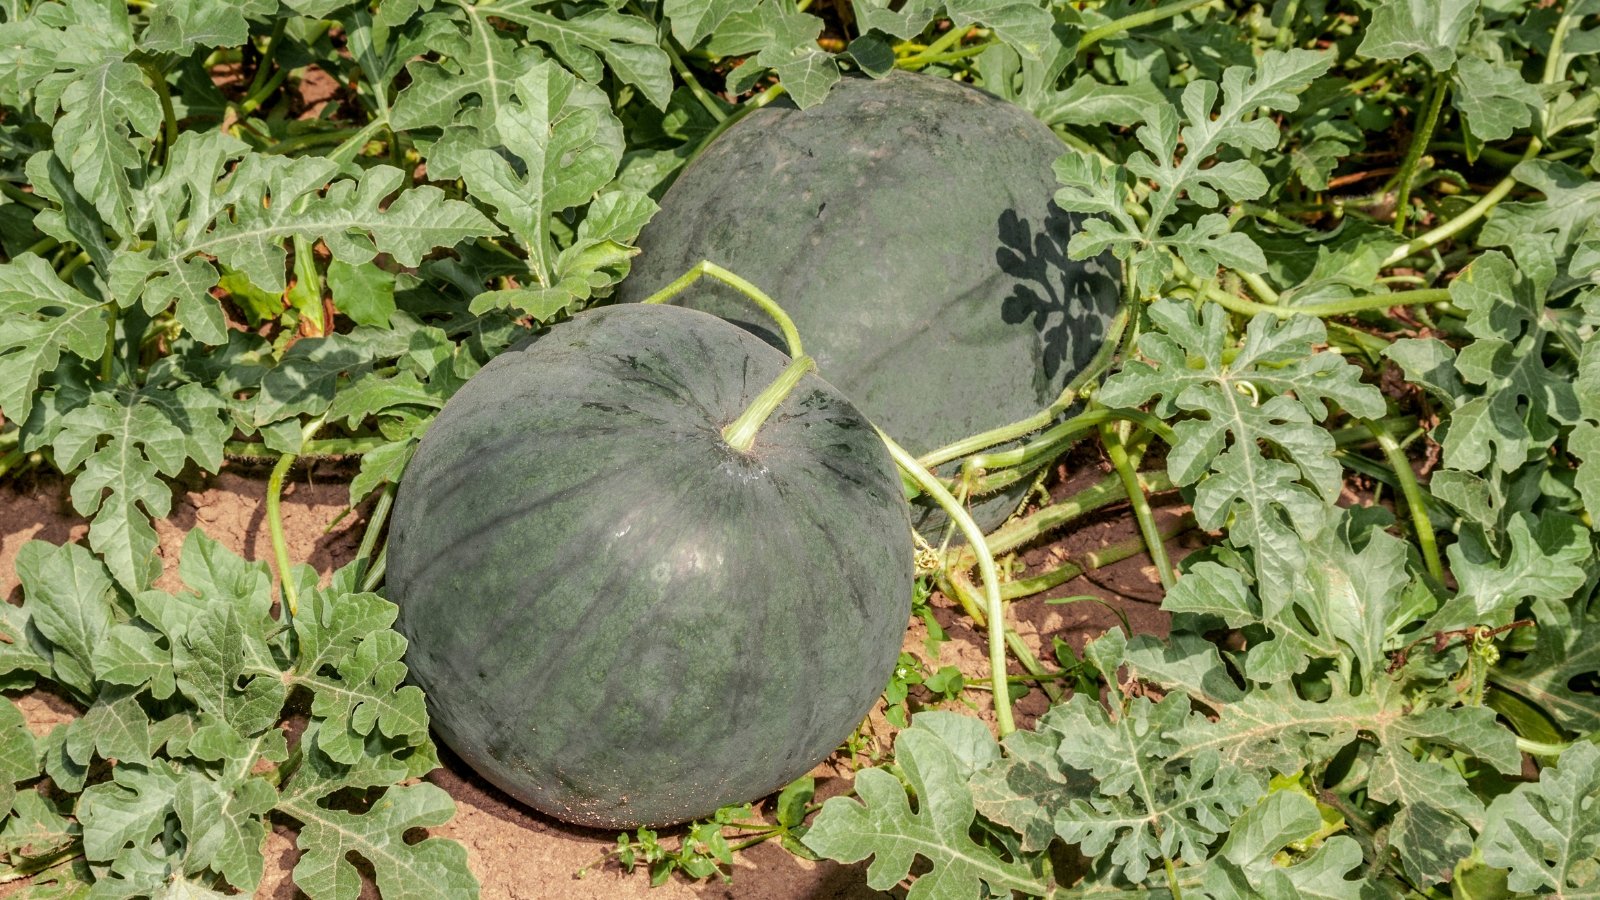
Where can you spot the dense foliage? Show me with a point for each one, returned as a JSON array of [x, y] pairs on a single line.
[[1362, 248]]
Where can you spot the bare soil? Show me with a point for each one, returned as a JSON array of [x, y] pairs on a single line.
[[516, 853]]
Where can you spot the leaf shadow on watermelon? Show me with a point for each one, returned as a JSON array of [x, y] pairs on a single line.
[[1068, 312]]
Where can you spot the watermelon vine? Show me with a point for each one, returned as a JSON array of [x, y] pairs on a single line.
[[1341, 266]]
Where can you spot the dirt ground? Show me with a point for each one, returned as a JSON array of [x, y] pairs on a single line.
[[518, 854]]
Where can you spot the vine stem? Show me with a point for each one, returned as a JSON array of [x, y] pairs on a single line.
[[1074, 390], [682, 68], [352, 145], [706, 267], [1419, 143], [369, 538], [169, 116], [1554, 68], [1105, 556], [264, 64], [1141, 504], [108, 359], [991, 580], [914, 63], [1330, 308], [323, 448], [768, 95], [741, 432], [1412, 491], [1056, 439], [1136, 20], [1468, 217], [280, 544], [1102, 493]]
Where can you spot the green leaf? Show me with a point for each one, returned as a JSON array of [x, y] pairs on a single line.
[[1143, 810], [432, 868], [315, 370], [1521, 395], [626, 43], [1544, 562], [349, 634], [570, 145], [1433, 29], [1548, 833], [882, 825], [72, 604], [178, 26], [224, 823], [36, 829], [130, 809], [1493, 99], [126, 440], [105, 104], [244, 218], [1571, 204], [19, 758], [1270, 391], [695, 20], [1247, 864], [1274, 83], [1566, 656], [115, 727], [364, 293], [41, 316], [224, 666], [481, 64]]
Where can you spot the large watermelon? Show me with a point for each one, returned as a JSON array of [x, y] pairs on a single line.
[[906, 224], [617, 617]]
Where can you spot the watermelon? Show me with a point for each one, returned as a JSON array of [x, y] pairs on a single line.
[[617, 617], [907, 226]]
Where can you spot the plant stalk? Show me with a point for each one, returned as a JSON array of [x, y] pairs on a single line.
[[706, 267], [1413, 497], [741, 432], [931, 485], [1042, 419], [280, 544], [369, 538], [1136, 20], [1141, 504], [1419, 143]]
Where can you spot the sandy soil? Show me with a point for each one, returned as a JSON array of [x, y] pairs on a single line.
[[519, 854]]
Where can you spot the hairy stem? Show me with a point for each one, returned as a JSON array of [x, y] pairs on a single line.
[[1412, 492], [1088, 562], [986, 570], [169, 117], [1141, 504], [741, 432], [706, 267], [324, 448], [369, 538], [1137, 20], [1419, 143], [280, 544], [1041, 419]]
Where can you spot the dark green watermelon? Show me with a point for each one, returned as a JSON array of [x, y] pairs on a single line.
[[906, 224], [618, 618]]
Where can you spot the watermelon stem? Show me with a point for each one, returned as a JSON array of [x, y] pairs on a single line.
[[1074, 390], [705, 267], [741, 432], [280, 544], [934, 488], [1141, 504]]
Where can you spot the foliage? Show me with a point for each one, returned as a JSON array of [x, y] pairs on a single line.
[[1363, 246], [191, 736]]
